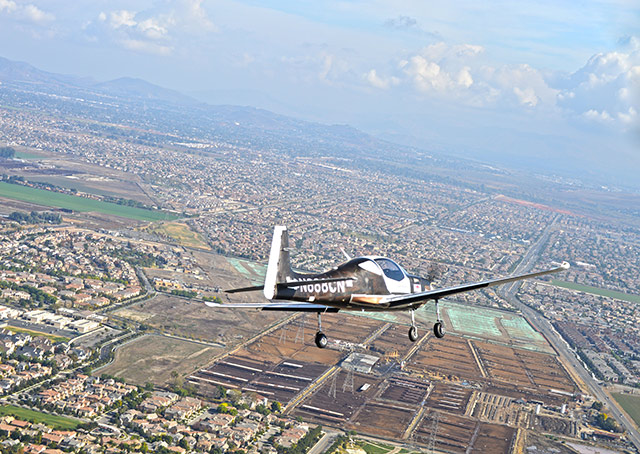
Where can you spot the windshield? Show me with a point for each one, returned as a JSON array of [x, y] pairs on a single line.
[[390, 269]]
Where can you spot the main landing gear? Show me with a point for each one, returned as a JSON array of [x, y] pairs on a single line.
[[438, 327], [321, 339]]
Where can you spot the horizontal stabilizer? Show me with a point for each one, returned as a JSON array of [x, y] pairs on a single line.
[[245, 289], [293, 306]]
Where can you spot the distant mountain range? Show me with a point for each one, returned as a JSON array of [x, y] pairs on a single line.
[[20, 72], [243, 125]]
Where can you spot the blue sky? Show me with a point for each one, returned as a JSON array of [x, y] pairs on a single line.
[[524, 82]]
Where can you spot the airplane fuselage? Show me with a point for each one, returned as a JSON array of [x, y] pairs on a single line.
[[362, 282]]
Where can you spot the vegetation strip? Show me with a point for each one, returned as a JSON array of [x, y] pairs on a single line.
[[597, 291], [70, 202], [57, 422]]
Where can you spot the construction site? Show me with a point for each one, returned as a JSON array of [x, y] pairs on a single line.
[[472, 391]]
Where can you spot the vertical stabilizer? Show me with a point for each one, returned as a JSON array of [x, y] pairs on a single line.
[[279, 267]]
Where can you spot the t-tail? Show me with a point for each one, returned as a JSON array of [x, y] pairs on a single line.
[[279, 266]]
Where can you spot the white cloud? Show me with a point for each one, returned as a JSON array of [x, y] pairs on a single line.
[[380, 82], [8, 6], [28, 12], [35, 14], [155, 31], [146, 47], [122, 18], [602, 117], [606, 89]]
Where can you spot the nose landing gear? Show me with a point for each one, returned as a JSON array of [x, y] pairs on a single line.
[[413, 331], [438, 327]]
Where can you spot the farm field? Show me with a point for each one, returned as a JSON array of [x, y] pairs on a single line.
[[55, 199], [57, 422], [597, 291], [631, 405], [51, 337], [153, 358]]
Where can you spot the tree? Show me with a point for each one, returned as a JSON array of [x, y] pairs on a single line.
[[276, 406]]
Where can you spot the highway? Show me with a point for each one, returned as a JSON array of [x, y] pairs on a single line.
[[543, 325]]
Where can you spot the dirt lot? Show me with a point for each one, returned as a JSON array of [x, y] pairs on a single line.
[[456, 434], [383, 420], [277, 381], [449, 397], [527, 370], [393, 342], [187, 318], [405, 390], [450, 356], [347, 401], [153, 358]]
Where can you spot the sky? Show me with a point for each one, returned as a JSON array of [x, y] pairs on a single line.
[[545, 85]]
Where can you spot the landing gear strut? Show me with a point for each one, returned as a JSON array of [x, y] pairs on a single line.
[[321, 339], [413, 331], [438, 327]]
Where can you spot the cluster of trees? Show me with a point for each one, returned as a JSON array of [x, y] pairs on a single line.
[[309, 440], [126, 202], [137, 258], [605, 422], [34, 217], [37, 295], [7, 152], [185, 293]]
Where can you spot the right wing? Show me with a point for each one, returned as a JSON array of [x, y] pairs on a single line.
[[415, 299], [288, 306]]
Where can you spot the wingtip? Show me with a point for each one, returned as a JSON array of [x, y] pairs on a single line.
[[565, 265], [212, 304]]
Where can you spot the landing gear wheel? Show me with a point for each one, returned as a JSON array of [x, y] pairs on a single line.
[[413, 334], [438, 330], [321, 339]]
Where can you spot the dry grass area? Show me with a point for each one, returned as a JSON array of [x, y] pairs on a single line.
[[193, 319], [153, 358], [180, 232]]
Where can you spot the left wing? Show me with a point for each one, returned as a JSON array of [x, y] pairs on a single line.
[[292, 306], [415, 299]]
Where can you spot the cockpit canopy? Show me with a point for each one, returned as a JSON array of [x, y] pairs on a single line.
[[390, 269], [380, 266]]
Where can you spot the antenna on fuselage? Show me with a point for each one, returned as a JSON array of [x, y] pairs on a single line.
[[345, 253]]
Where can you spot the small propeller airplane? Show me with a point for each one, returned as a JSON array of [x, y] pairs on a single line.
[[370, 283]]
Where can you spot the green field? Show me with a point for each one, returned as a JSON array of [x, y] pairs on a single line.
[[51, 337], [27, 155], [56, 422], [630, 403], [56, 199], [597, 291]]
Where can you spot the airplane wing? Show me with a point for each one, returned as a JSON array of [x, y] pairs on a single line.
[[284, 306], [414, 299]]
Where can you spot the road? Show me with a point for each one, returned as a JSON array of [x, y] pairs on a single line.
[[543, 325], [323, 444]]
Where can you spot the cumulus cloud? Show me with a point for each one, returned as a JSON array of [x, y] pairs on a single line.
[[8, 6], [155, 31], [606, 89], [380, 82], [28, 12]]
